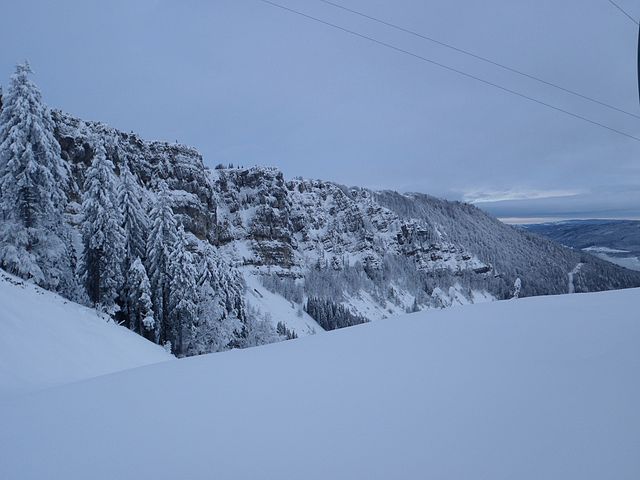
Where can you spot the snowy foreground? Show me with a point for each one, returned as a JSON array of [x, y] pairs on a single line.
[[46, 340], [534, 388]]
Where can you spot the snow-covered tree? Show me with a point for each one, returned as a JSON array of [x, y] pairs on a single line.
[[163, 171], [141, 318], [134, 218], [259, 330], [182, 293], [218, 324], [159, 249], [331, 315], [102, 234], [34, 237], [135, 227], [517, 286], [284, 332]]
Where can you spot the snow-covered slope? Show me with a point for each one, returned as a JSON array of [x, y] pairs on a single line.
[[543, 387], [278, 308], [46, 340]]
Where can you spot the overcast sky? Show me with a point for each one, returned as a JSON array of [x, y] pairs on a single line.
[[248, 83]]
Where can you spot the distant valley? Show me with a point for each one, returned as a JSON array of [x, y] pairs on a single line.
[[616, 241]]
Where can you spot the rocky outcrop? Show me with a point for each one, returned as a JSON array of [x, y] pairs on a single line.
[[299, 223]]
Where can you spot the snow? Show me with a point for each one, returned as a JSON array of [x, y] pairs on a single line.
[[279, 308], [616, 257], [604, 250], [46, 340], [364, 304], [632, 263], [572, 274], [455, 296], [543, 387]]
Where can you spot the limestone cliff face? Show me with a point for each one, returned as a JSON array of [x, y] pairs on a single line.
[[296, 224]]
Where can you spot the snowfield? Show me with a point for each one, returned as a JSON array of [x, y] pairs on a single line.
[[534, 388], [278, 308], [46, 340]]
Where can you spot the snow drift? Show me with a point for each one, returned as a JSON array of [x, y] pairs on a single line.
[[543, 387], [46, 340]]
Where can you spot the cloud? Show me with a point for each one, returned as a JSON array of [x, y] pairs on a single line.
[[600, 202], [487, 196]]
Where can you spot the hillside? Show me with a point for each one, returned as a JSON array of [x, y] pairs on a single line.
[[533, 388], [46, 340]]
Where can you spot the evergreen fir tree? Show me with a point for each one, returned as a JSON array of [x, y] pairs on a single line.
[[134, 219], [134, 225], [259, 330], [182, 296], [159, 249], [517, 287], [141, 319], [34, 237], [163, 171], [216, 327], [102, 234]]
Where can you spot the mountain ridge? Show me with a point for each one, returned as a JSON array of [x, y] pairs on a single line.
[[262, 222]]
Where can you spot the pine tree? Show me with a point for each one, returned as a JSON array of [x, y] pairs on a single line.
[[218, 324], [135, 226], [517, 286], [163, 171], [102, 234], [134, 219], [141, 319], [182, 290], [259, 330], [34, 237], [159, 248]]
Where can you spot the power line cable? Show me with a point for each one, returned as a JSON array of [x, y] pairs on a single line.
[[625, 13], [451, 69], [481, 58]]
